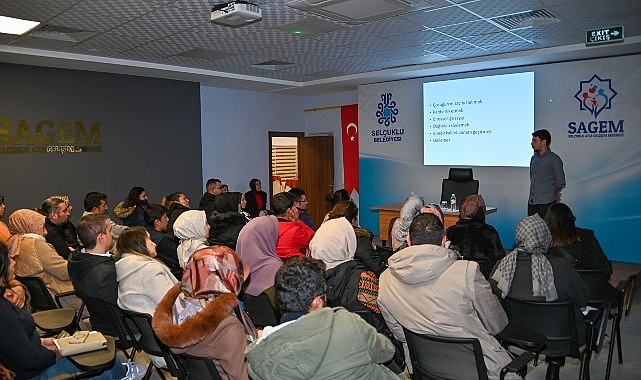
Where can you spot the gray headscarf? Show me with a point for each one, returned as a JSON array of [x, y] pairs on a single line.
[[401, 228], [532, 236]]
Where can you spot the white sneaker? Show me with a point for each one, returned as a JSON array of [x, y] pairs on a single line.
[[134, 371]]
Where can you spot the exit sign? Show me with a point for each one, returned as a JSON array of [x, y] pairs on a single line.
[[604, 35]]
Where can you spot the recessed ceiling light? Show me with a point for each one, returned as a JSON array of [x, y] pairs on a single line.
[[10, 25]]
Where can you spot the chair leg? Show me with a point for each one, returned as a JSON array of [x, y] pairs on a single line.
[[618, 332], [613, 341]]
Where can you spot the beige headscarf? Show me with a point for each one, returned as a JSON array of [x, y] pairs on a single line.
[[21, 222], [189, 227], [334, 242]]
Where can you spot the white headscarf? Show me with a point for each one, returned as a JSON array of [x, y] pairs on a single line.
[[189, 227], [334, 242]]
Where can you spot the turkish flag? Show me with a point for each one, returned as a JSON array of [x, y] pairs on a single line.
[[349, 127]]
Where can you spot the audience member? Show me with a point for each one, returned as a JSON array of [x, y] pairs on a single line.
[[199, 315], [256, 198], [225, 221], [527, 273], [257, 248], [365, 253], [301, 204], [337, 196], [58, 225], [314, 341], [4, 230], [293, 235], [473, 238], [578, 245], [427, 290], [176, 204], [25, 353], [142, 280], [224, 188], [34, 256], [156, 220], [131, 210], [96, 203], [400, 229], [213, 187], [93, 269]]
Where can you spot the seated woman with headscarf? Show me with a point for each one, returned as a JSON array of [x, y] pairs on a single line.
[[200, 316], [225, 221], [527, 273], [473, 238], [257, 247], [348, 283]]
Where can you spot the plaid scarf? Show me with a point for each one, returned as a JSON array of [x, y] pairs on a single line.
[[532, 236]]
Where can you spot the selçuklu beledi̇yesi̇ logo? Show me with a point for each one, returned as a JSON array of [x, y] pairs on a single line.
[[595, 95], [387, 110]]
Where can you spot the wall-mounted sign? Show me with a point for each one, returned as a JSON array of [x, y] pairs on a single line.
[[604, 35]]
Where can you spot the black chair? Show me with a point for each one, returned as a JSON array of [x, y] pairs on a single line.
[[110, 320], [390, 232], [47, 312], [460, 182], [557, 321], [260, 310], [150, 344], [629, 292], [199, 368], [441, 358]]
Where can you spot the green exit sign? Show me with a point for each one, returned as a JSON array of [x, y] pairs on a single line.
[[604, 35]]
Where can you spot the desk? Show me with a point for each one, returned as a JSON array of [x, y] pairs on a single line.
[[387, 212]]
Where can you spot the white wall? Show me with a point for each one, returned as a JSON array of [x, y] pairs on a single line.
[[235, 127]]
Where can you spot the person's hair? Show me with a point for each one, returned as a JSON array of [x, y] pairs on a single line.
[[227, 202], [561, 222], [153, 212], [426, 229], [252, 183], [133, 240], [543, 134], [473, 208], [1, 199], [348, 209], [5, 262], [211, 183], [92, 199], [297, 192], [337, 196], [224, 187], [281, 202], [298, 282], [50, 205], [89, 227], [170, 198], [132, 197]]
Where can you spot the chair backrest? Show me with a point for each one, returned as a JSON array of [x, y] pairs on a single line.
[[556, 320], [41, 299], [109, 320], [199, 368], [390, 231], [440, 358], [150, 343], [461, 182]]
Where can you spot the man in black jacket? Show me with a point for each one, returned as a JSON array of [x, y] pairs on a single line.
[[57, 212]]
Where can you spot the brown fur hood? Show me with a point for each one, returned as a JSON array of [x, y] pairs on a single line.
[[123, 212], [195, 328]]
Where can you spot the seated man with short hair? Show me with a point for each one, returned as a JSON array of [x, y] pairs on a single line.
[[313, 341], [428, 291], [293, 235], [156, 221]]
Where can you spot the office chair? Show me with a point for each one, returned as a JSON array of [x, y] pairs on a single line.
[[460, 182], [48, 314], [150, 344], [199, 368], [557, 321], [440, 358]]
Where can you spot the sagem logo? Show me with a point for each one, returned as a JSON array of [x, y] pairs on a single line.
[[595, 95]]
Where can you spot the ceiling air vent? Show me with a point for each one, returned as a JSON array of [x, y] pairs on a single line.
[[273, 65], [527, 19], [359, 11], [61, 33]]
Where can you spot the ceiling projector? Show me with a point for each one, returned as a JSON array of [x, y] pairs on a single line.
[[236, 13]]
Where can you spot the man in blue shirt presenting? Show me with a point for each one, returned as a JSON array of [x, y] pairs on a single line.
[[547, 178]]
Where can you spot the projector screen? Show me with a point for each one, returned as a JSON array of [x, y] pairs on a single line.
[[482, 121]]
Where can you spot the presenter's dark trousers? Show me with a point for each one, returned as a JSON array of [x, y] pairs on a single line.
[[540, 209]]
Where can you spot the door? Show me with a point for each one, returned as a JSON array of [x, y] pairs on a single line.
[[316, 173]]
